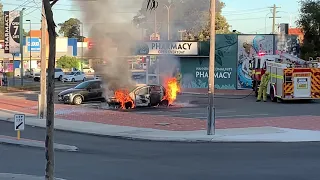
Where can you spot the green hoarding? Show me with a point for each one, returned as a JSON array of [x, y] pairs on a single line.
[[195, 70]]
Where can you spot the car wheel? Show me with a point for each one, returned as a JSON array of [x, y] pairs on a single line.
[[128, 105], [77, 100], [84, 79], [164, 103], [60, 78], [272, 96], [73, 80]]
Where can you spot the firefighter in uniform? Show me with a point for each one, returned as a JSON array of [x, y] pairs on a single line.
[[177, 75], [263, 87]]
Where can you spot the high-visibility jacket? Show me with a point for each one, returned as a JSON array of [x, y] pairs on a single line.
[[178, 76], [265, 79]]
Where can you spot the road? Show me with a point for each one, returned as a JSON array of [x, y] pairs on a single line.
[[195, 106], [235, 107], [103, 158]]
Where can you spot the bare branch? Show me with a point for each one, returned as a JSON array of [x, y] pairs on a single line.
[[54, 2]]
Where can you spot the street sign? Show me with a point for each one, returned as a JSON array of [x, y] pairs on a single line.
[[19, 122]]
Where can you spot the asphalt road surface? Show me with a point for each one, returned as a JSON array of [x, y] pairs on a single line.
[[234, 107], [102, 158], [195, 106]]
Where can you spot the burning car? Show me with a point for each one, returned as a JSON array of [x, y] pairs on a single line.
[[145, 95]]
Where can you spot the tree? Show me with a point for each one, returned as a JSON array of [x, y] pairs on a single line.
[[49, 142], [189, 15], [309, 21], [68, 62], [70, 28], [1, 22]]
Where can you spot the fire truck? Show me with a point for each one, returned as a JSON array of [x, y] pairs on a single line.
[[291, 77]]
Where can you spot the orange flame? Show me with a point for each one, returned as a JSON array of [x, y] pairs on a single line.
[[172, 89], [123, 97]]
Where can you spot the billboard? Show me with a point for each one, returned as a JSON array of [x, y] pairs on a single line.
[[195, 70], [61, 44], [172, 48], [248, 47], [12, 32], [33, 44]]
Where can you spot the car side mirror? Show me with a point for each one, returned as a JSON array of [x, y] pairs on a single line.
[[89, 88]]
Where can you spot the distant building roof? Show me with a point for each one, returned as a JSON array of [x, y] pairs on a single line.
[[295, 31]]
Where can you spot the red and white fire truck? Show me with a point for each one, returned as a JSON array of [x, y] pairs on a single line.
[[291, 77]]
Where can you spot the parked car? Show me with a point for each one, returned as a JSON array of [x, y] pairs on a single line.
[[74, 76], [85, 91], [143, 95], [58, 74], [88, 70]]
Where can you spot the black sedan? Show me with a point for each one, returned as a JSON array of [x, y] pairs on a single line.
[[86, 91]]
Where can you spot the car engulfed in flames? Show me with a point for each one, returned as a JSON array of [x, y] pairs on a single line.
[[146, 95]]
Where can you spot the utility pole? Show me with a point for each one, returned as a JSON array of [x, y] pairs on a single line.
[[211, 111], [21, 45], [43, 73], [274, 13]]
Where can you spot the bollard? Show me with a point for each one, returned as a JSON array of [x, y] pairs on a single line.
[[211, 123], [39, 106]]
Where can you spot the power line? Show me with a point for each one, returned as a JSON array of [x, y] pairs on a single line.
[[245, 10], [240, 13]]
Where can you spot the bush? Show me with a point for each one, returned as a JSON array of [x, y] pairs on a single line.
[[67, 62]]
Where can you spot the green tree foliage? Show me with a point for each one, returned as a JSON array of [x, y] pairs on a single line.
[[71, 28], [1, 22], [68, 62], [189, 15], [309, 21]]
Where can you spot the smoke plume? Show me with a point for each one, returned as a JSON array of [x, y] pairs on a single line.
[[114, 37]]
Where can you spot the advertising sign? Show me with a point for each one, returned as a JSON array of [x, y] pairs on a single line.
[[195, 71], [12, 31], [35, 44], [6, 31], [62, 44], [173, 48], [248, 47]]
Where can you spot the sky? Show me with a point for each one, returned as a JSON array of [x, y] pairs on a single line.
[[245, 16]]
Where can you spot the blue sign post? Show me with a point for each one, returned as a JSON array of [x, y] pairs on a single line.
[[35, 44]]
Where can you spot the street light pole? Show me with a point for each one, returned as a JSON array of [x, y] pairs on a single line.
[[82, 38], [211, 111], [30, 45], [168, 9], [265, 23]]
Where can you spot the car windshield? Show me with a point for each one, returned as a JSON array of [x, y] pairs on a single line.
[[70, 73], [134, 88], [83, 85]]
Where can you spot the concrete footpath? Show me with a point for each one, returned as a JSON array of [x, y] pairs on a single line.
[[252, 134], [9, 176], [34, 143]]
